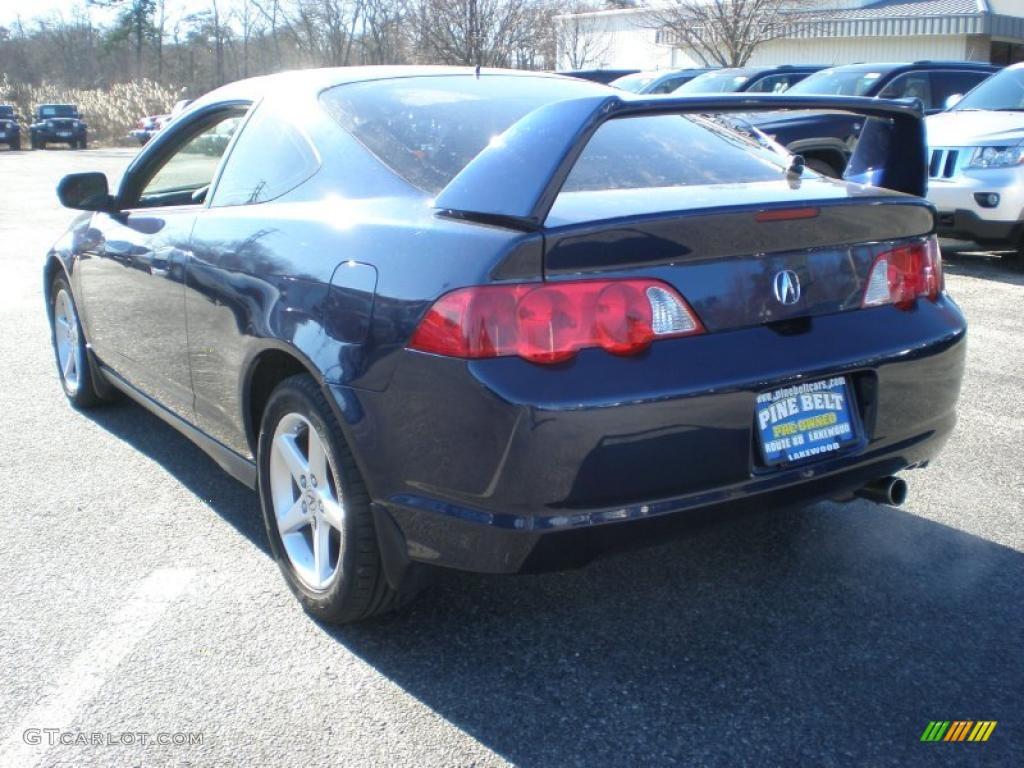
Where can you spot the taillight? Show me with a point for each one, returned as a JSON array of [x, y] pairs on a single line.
[[903, 274], [550, 322]]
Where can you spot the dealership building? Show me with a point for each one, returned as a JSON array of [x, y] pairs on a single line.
[[839, 32]]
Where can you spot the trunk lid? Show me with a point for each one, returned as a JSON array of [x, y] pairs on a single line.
[[723, 247]]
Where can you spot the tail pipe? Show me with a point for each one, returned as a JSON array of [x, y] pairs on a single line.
[[885, 490]]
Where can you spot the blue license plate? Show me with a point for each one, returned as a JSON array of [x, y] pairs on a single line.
[[805, 421]]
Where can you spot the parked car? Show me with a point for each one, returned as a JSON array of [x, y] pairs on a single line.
[[976, 163], [10, 126], [604, 76], [826, 140], [58, 123], [424, 352], [148, 126], [657, 81], [747, 80]]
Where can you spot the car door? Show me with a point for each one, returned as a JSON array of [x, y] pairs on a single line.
[[133, 277]]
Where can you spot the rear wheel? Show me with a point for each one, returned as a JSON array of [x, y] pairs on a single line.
[[316, 508], [73, 364]]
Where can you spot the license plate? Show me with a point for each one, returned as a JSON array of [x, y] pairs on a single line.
[[805, 421], [64, 134]]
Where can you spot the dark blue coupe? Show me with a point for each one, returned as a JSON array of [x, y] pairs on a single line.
[[440, 317]]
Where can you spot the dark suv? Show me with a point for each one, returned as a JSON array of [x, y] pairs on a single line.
[[10, 128], [826, 139], [748, 79], [58, 123]]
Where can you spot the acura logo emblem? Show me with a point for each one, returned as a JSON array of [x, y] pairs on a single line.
[[787, 287]]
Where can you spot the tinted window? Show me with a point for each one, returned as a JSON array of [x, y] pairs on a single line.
[[7, 112], [911, 85], [427, 129], [58, 110], [946, 84], [271, 157], [669, 151], [191, 168], [1003, 91], [723, 81], [841, 81], [774, 83]]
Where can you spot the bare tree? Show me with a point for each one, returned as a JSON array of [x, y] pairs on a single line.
[[581, 42], [726, 32], [485, 33]]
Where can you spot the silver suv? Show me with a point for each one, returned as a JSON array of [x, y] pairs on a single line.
[[976, 163]]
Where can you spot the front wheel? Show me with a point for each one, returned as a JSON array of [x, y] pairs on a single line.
[[73, 364], [83, 143], [316, 508], [16, 144]]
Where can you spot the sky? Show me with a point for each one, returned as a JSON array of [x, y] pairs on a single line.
[[10, 10]]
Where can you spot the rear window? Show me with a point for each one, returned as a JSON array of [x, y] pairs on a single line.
[[427, 129], [670, 151]]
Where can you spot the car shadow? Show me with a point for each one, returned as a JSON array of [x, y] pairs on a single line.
[[827, 634], [234, 502], [821, 635]]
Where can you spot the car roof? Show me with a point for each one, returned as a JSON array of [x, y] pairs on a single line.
[[892, 66], [313, 81]]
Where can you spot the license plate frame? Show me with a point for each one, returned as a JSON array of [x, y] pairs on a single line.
[[806, 422]]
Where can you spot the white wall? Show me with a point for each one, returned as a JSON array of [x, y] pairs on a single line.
[[631, 44], [848, 50]]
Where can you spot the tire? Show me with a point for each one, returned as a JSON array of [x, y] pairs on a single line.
[[74, 364], [83, 143], [33, 143], [346, 582], [16, 145], [823, 167]]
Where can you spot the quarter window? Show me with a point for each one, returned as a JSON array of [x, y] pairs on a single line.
[[912, 85], [270, 158]]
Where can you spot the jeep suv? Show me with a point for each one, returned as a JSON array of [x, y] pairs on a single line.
[[58, 123], [826, 139], [976, 163], [10, 128]]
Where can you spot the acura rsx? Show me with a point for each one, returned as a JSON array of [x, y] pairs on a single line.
[[446, 317]]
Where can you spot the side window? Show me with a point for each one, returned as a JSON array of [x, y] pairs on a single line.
[[772, 84], [185, 176], [946, 84], [271, 157], [912, 85]]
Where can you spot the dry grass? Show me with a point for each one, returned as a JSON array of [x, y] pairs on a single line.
[[110, 112]]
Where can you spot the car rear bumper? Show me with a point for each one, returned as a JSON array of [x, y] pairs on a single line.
[[481, 464]]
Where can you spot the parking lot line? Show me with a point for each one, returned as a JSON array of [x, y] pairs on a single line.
[[85, 675]]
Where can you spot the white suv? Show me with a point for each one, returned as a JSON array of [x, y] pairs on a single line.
[[976, 163]]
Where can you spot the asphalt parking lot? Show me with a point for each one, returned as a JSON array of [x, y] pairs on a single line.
[[139, 597]]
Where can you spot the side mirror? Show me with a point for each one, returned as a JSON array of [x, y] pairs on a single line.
[[85, 192], [952, 100]]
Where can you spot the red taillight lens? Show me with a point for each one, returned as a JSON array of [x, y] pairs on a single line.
[[550, 322], [902, 275]]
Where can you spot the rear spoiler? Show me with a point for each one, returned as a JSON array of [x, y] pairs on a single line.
[[515, 180]]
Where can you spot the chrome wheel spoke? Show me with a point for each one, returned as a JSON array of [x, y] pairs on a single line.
[[289, 451], [293, 519], [317, 460], [332, 513], [322, 553]]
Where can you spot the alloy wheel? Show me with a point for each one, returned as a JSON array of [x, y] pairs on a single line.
[[69, 351], [307, 501]]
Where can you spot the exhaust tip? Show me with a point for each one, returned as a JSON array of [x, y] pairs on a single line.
[[889, 490]]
